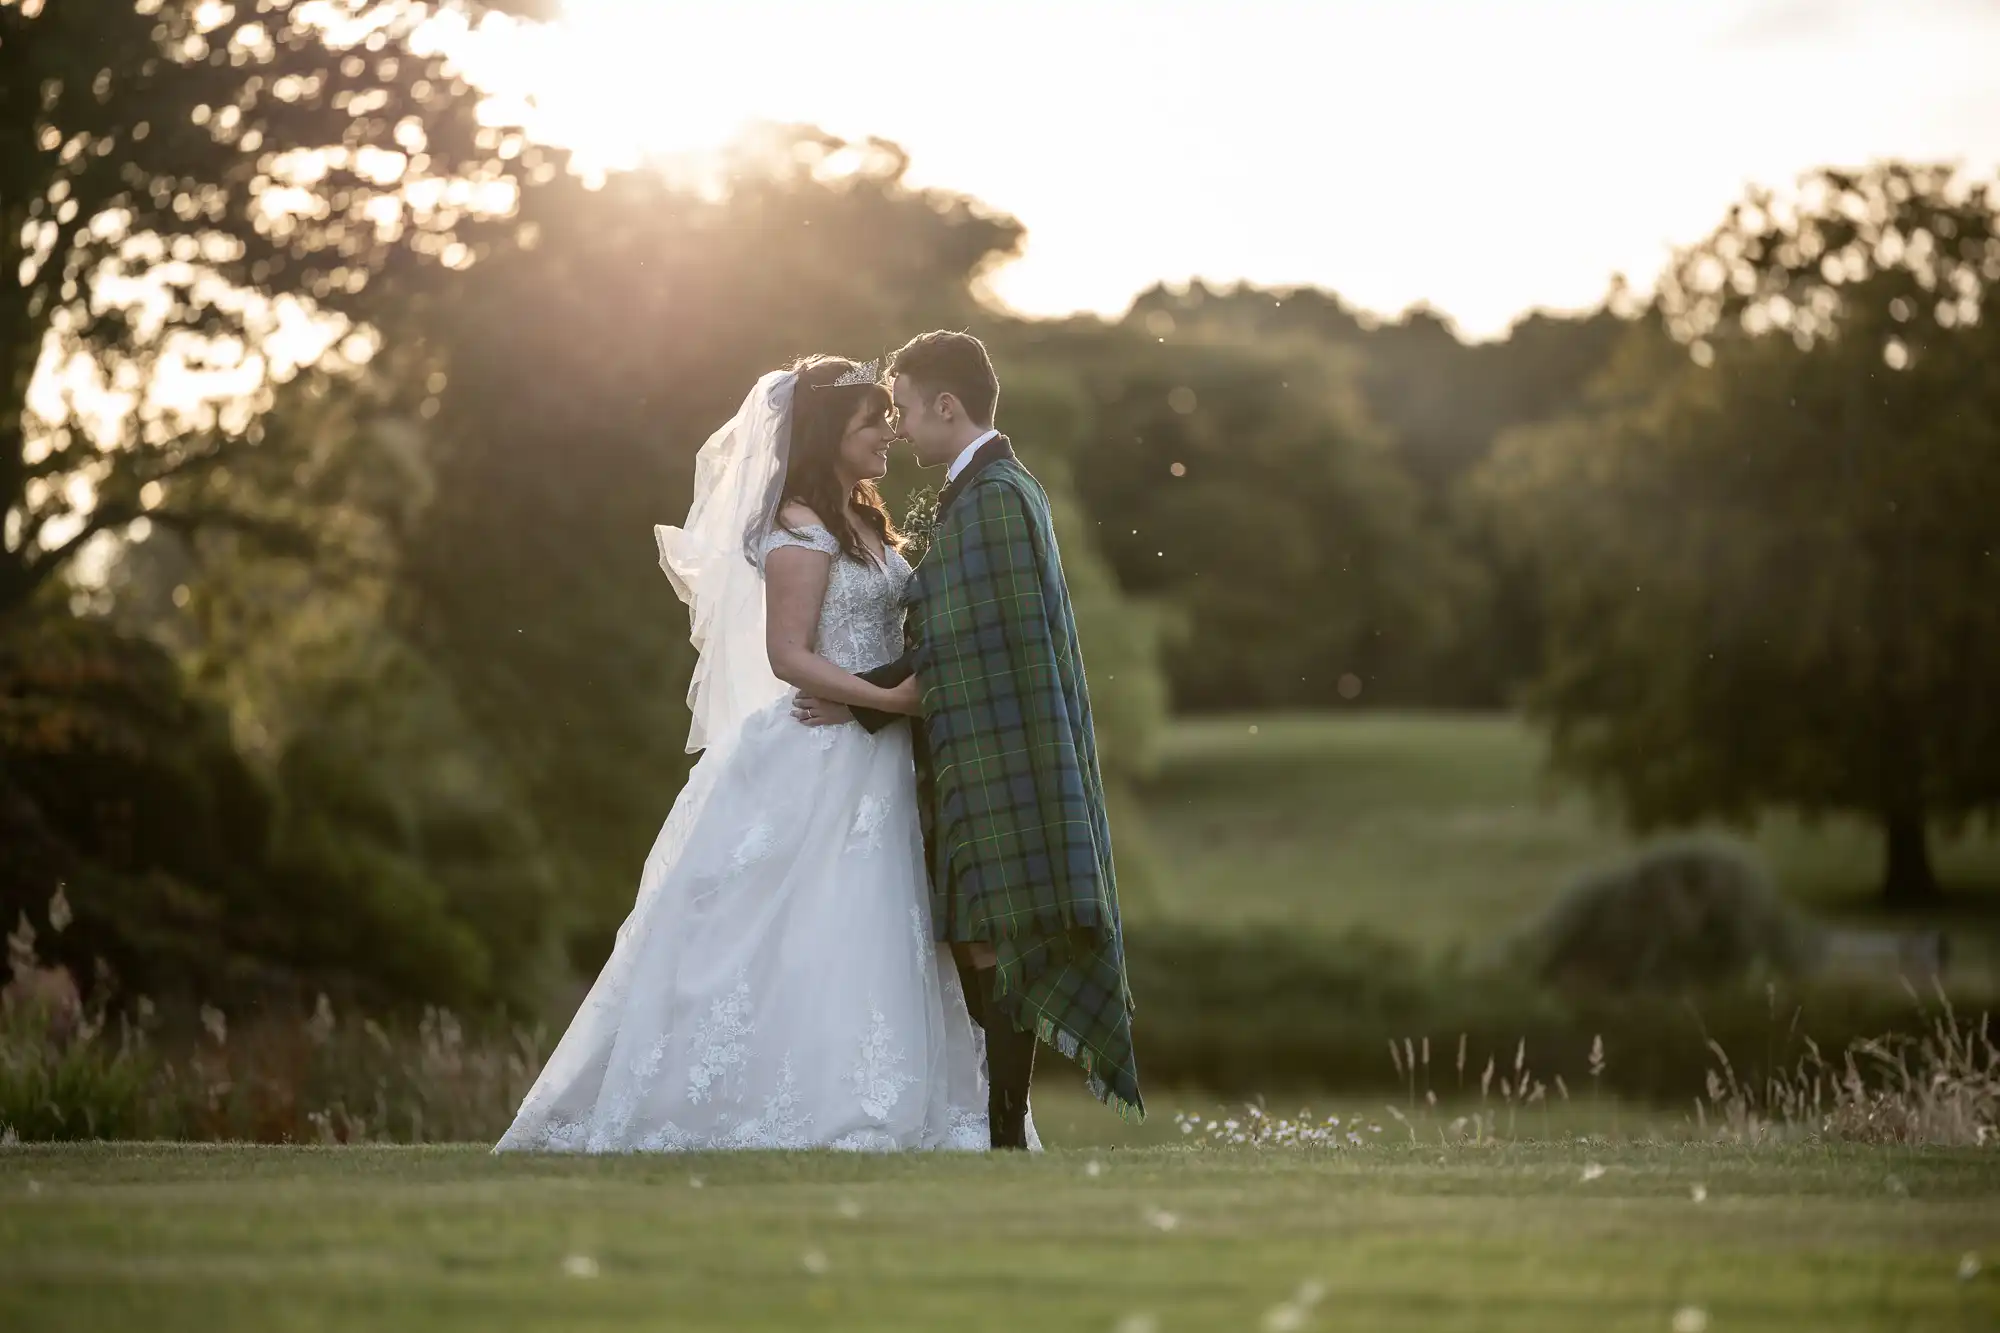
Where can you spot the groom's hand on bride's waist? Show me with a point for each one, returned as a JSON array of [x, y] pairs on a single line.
[[894, 676]]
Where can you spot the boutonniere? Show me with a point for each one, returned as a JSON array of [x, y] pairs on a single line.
[[919, 524]]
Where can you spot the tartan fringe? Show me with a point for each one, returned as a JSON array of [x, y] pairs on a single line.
[[1065, 1043], [1068, 1045]]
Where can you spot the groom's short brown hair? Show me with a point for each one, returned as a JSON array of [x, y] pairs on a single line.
[[953, 363]]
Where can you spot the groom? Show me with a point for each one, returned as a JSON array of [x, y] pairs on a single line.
[[1020, 851]]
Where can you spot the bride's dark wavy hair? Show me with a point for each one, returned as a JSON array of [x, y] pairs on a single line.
[[820, 415]]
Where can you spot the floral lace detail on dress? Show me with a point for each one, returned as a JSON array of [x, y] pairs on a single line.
[[861, 619], [718, 1043], [758, 840], [866, 835], [783, 1124], [622, 1108], [878, 1080], [970, 1132]]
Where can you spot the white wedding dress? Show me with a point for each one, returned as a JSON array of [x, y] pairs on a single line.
[[777, 984]]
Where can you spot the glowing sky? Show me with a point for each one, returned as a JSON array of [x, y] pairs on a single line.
[[1485, 157]]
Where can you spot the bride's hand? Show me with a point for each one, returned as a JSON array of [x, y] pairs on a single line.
[[819, 712]]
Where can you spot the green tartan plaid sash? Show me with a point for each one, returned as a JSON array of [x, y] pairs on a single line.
[[1021, 849]]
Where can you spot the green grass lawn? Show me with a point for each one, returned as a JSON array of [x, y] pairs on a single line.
[[1514, 1236], [1431, 829], [1439, 828]]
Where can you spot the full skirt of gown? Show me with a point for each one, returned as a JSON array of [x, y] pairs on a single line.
[[777, 983]]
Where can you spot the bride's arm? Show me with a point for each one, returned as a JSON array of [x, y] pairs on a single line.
[[795, 581]]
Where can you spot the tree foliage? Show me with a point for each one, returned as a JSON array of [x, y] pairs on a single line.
[[1768, 544], [184, 187], [1246, 488]]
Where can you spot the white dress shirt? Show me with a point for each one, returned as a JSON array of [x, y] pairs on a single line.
[[959, 464]]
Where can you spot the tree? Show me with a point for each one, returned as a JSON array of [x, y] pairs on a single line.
[[1247, 488], [1768, 547], [411, 868], [1439, 403], [175, 178]]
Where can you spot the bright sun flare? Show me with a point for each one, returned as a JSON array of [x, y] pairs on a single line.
[[614, 82]]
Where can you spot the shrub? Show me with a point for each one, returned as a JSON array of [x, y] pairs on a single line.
[[1678, 914]]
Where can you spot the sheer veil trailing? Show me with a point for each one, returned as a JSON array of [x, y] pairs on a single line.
[[716, 562]]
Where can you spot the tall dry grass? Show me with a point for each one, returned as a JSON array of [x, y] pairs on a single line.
[[1941, 1088], [71, 1069]]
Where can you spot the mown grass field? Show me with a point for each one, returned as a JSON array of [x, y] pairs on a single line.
[[1513, 1236], [1441, 829], [1581, 1216]]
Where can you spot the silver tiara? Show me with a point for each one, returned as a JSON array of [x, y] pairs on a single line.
[[866, 372]]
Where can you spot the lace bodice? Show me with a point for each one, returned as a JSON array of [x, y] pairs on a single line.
[[861, 620]]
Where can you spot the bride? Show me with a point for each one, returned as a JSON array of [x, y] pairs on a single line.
[[778, 983]]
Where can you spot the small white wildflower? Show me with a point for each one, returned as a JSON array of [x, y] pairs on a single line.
[[215, 1023], [1592, 1171], [1699, 1193], [1187, 1126], [580, 1266], [1690, 1319], [1093, 1169], [1138, 1323], [35, 1187], [1161, 1220], [1968, 1266], [695, 1182], [815, 1262], [59, 912], [849, 1209]]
